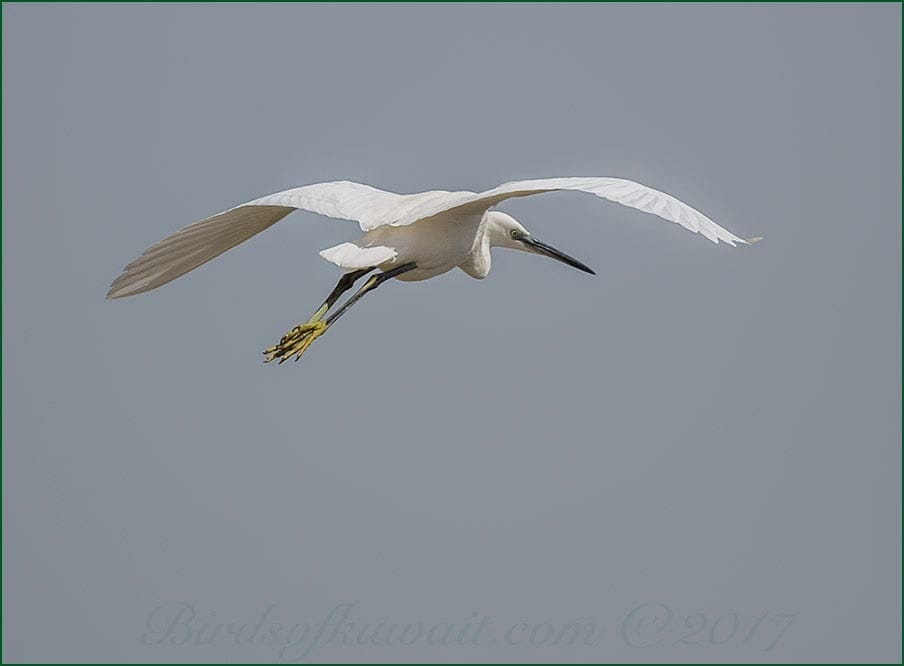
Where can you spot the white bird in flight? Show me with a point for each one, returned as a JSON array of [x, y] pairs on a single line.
[[408, 237]]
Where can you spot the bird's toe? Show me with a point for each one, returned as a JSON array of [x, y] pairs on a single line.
[[295, 342]]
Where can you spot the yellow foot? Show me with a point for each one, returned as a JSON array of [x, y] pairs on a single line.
[[295, 342]]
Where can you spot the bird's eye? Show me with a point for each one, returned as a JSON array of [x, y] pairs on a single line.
[[514, 233]]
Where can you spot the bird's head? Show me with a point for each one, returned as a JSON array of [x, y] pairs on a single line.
[[505, 231]]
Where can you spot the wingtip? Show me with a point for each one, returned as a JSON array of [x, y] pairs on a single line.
[[755, 239], [117, 291]]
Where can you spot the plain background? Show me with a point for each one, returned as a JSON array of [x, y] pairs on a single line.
[[698, 429]]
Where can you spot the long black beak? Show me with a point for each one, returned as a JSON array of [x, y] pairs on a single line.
[[542, 248]]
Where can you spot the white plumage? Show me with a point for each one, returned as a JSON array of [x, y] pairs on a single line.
[[445, 229]]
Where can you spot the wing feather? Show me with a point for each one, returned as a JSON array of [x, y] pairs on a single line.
[[625, 192], [193, 246], [202, 241]]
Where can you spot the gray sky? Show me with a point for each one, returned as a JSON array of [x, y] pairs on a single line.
[[695, 454]]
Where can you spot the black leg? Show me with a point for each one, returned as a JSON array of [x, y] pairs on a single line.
[[293, 338], [295, 342], [346, 282], [372, 283]]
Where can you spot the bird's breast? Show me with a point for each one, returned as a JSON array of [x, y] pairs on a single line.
[[435, 245]]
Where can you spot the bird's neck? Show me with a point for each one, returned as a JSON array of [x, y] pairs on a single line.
[[479, 258]]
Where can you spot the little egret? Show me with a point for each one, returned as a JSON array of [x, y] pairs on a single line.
[[406, 236]]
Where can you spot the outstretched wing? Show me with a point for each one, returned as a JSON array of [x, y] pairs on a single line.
[[202, 241], [625, 192]]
